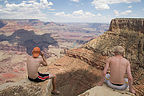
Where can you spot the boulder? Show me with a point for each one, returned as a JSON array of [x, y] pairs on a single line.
[[26, 88], [105, 91]]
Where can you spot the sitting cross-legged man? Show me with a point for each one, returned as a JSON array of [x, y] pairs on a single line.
[[119, 66]]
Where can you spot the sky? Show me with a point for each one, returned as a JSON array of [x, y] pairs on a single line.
[[88, 11]]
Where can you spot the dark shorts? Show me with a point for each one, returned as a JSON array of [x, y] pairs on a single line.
[[40, 78]]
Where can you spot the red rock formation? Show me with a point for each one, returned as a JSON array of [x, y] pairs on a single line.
[[88, 56], [76, 72], [13, 25]]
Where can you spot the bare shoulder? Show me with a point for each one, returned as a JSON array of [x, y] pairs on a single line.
[[126, 61], [28, 57], [111, 58]]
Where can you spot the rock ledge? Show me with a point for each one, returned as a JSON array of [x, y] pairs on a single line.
[[26, 88]]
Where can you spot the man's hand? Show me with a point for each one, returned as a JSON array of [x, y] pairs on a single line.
[[130, 79], [41, 53], [100, 83], [44, 60]]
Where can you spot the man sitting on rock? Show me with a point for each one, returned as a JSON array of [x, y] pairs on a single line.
[[33, 63], [118, 67]]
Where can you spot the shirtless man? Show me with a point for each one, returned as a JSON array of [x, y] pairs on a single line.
[[33, 63], [118, 67]]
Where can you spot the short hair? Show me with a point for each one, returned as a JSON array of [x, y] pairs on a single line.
[[119, 50]]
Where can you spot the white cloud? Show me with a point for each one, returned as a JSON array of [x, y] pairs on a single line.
[[126, 12], [81, 16], [104, 4], [129, 6], [75, 0], [76, 14], [60, 14], [25, 10], [117, 13], [45, 3], [100, 4], [28, 4], [99, 14]]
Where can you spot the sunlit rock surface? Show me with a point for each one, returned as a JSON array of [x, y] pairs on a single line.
[[26, 88], [105, 91]]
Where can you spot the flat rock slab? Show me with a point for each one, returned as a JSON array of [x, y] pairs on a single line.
[[105, 91], [26, 88]]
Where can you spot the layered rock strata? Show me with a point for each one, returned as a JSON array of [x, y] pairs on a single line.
[[131, 24], [88, 56], [77, 71]]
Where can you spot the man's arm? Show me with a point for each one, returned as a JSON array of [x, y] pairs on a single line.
[[44, 60], [130, 78], [104, 72], [106, 66]]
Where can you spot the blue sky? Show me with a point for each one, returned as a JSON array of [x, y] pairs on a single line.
[[99, 11]]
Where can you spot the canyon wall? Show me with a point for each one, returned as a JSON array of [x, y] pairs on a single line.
[[75, 70], [124, 32], [132, 41], [131, 24]]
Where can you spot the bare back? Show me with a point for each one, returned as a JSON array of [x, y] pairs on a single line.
[[32, 66], [118, 67]]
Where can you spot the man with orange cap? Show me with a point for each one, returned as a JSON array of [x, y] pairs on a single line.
[[33, 63]]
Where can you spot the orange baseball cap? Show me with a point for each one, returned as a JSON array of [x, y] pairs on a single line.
[[36, 52]]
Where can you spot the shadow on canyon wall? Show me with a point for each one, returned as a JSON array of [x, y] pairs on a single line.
[[2, 24], [29, 40], [76, 82]]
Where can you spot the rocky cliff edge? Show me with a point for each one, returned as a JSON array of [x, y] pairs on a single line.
[[26, 88], [80, 69]]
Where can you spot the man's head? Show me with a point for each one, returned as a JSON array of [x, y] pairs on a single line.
[[36, 52], [119, 50]]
